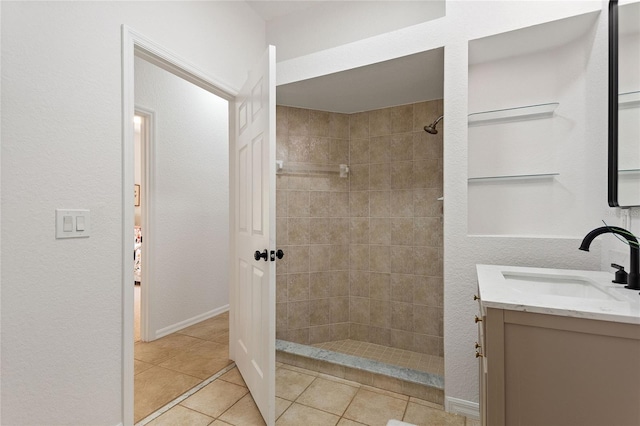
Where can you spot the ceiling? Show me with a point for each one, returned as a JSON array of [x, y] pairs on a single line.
[[400, 81]]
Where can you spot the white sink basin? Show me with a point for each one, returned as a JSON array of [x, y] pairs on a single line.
[[566, 292], [556, 285]]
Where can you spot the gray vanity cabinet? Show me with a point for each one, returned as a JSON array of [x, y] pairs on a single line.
[[538, 369]]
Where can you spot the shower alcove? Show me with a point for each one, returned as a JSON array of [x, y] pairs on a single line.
[[360, 289]]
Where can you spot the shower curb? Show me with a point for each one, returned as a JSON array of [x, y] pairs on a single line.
[[419, 384]]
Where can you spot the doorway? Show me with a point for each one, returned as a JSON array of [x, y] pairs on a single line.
[[174, 194]]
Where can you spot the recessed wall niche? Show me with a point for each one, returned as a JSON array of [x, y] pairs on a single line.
[[530, 130]]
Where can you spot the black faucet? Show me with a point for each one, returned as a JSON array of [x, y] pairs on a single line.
[[634, 275]]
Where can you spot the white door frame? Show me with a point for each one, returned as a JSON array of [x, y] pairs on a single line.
[[135, 44], [147, 162]]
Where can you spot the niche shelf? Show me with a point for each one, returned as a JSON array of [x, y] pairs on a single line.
[[513, 177], [629, 100], [529, 112]]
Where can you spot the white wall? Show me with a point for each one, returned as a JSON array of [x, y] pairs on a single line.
[[189, 199], [62, 147], [466, 21], [323, 27]]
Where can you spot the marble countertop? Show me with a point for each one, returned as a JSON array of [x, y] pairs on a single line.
[[572, 293]]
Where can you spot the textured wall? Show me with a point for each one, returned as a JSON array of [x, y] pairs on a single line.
[[189, 198], [374, 271], [62, 309]]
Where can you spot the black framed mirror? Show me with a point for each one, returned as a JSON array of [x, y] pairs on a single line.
[[624, 104]]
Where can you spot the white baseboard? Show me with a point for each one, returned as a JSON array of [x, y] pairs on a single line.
[[462, 407], [194, 320]]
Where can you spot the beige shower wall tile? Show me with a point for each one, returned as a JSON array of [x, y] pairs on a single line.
[[379, 335], [359, 151], [297, 258], [281, 288], [339, 230], [402, 339], [298, 148], [401, 146], [298, 182], [426, 204], [428, 261], [319, 150], [282, 148], [379, 287], [298, 314], [402, 118], [339, 151], [359, 257], [358, 332], [380, 313], [298, 120], [339, 309], [359, 230], [319, 258], [359, 177], [428, 291], [320, 231], [319, 334], [339, 332], [428, 320], [339, 284], [339, 257], [380, 122], [402, 260], [298, 204], [320, 204], [380, 149], [297, 287], [319, 123], [298, 335], [402, 230], [426, 145], [282, 231], [319, 312], [379, 176], [427, 231], [358, 203], [401, 203], [380, 202], [380, 231], [359, 283], [281, 203], [402, 175], [339, 204], [320, 284], [359, 126], [427, 173], [298, 230], [339, 125], [359, 309], [380, 258], [282, 120], [402, 286]]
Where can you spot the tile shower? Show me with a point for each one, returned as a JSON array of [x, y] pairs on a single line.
[[364, 253]]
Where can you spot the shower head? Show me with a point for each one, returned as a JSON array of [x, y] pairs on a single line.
[[431, 128]]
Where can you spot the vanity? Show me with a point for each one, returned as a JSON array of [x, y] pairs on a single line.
[[557, 347]]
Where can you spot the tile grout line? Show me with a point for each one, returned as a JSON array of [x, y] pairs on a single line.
[[184, 396]]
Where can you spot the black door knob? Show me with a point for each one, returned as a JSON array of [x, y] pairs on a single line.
[[264, 255], [279, 254]]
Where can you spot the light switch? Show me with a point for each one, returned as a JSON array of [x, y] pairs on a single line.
[[67, 223], [73, 223], [79, 223]]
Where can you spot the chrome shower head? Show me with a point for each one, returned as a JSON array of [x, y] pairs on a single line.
[[431, 128]]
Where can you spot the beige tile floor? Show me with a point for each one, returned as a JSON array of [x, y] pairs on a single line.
[[169, 367], [305, 398], [394, 356], [166, 368]]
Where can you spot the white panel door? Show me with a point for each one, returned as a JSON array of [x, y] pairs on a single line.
[[253, 311]]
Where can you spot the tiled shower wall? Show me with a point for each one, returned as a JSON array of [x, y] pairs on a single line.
[[363, 254]]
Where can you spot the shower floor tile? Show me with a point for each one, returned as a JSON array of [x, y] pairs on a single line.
[[399, 357]]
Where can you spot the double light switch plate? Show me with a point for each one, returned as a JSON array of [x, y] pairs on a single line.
[[72, 223]]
